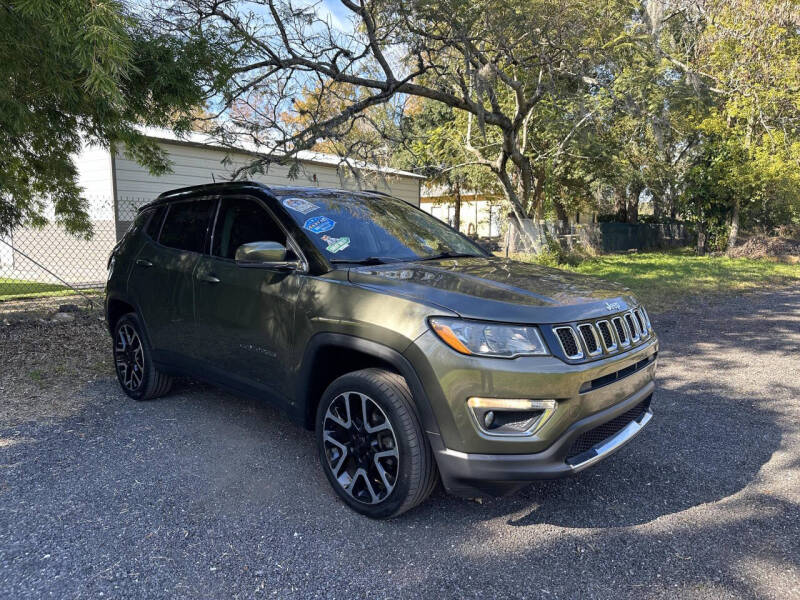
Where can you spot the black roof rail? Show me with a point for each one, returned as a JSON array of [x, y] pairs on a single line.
[[380, 193], [210, 187]]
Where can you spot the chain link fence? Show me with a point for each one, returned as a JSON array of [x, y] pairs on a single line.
[[48, 261]]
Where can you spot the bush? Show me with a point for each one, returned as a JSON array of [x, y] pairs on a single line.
[[555, 255]]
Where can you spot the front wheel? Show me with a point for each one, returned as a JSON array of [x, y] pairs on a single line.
[[136, 372], [372, 447]]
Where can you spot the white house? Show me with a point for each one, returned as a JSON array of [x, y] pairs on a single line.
[[116, 187]]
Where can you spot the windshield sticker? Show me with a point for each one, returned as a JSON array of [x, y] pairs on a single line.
[[319, 224], [336, 244], [300, 205]]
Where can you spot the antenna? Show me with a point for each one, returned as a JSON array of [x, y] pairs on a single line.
[[214, 179]]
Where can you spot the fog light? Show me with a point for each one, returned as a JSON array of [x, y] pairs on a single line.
[[510, 416]]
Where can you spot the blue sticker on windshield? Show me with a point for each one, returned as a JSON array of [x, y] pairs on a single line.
[[319, 224]]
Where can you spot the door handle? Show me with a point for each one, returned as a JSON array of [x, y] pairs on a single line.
[[208, 278], [141, 262]]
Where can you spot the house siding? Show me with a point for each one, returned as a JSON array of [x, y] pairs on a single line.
[[193, 165]]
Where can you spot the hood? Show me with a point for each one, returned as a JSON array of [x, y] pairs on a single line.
[[498, 289]]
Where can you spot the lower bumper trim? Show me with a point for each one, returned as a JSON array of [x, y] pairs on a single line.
[[600, 451], [499, 474]]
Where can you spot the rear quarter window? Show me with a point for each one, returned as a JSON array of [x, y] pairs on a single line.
[[186, 225]]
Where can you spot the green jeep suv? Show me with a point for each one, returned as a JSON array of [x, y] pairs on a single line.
[[413, 354]]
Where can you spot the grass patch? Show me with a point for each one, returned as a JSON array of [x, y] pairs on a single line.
[[665, 280], [15, 289]]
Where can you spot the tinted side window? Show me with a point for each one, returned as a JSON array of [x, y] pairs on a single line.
[[241, 221], [154, 226], [186, 224]]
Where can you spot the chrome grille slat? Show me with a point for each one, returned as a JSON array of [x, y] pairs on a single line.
[[640, 322], [590, 339], [566, 334], [633, 329], [606, 336], [646, 318], [621, 331]]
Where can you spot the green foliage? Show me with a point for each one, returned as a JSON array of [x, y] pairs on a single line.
[[85, 72], [696, 110], [555, 255], [669, 280]]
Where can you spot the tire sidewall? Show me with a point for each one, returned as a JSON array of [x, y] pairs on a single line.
[[353, 382], [132, 320]]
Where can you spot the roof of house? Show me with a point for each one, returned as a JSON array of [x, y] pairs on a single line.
[[247, 146]]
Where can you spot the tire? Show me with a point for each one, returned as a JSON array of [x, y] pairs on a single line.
[[381, 432], [133, 362]]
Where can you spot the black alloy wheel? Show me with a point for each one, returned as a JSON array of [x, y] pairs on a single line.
[[361, 447], [129, 357]]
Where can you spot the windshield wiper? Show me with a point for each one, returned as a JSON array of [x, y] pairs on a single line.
[[448, 255]]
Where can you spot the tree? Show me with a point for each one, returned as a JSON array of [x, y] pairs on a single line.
[[494, 61], [433, 137], [369, 137], [743, 58], [559, 102], [82, 71]]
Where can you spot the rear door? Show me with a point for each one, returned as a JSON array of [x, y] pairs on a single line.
[[245, 314], [162, 276]]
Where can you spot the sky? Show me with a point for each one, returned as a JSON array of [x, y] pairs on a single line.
[[339, 14]]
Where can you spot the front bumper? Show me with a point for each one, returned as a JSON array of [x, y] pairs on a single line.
[[499, 474]]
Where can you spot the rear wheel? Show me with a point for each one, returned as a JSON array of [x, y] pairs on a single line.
[[133, 363], [372, 447]]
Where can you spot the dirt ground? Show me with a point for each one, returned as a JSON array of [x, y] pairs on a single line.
[[45, 356]]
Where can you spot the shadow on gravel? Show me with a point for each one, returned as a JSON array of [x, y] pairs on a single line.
[[700, 448]]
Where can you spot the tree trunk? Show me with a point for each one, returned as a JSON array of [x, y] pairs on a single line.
[[701, 238], [538, 190], [734, 232], [620, 205], [633, 204], [457, 210], [656, 208], [561, 212]]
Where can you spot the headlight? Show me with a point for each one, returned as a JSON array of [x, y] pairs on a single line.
[[482, 338]]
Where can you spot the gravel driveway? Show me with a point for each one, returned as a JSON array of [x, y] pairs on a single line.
[[204, 495]]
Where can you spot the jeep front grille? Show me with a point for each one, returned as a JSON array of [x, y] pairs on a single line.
[[603, 337]]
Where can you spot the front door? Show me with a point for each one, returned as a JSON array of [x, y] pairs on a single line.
[[245, 314]]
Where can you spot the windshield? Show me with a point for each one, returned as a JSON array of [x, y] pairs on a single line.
[[355, 228]]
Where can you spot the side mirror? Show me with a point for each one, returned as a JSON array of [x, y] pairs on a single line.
[[264, 254]]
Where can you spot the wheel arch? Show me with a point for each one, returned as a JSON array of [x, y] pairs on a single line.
[[115, 308], [330, 355]]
